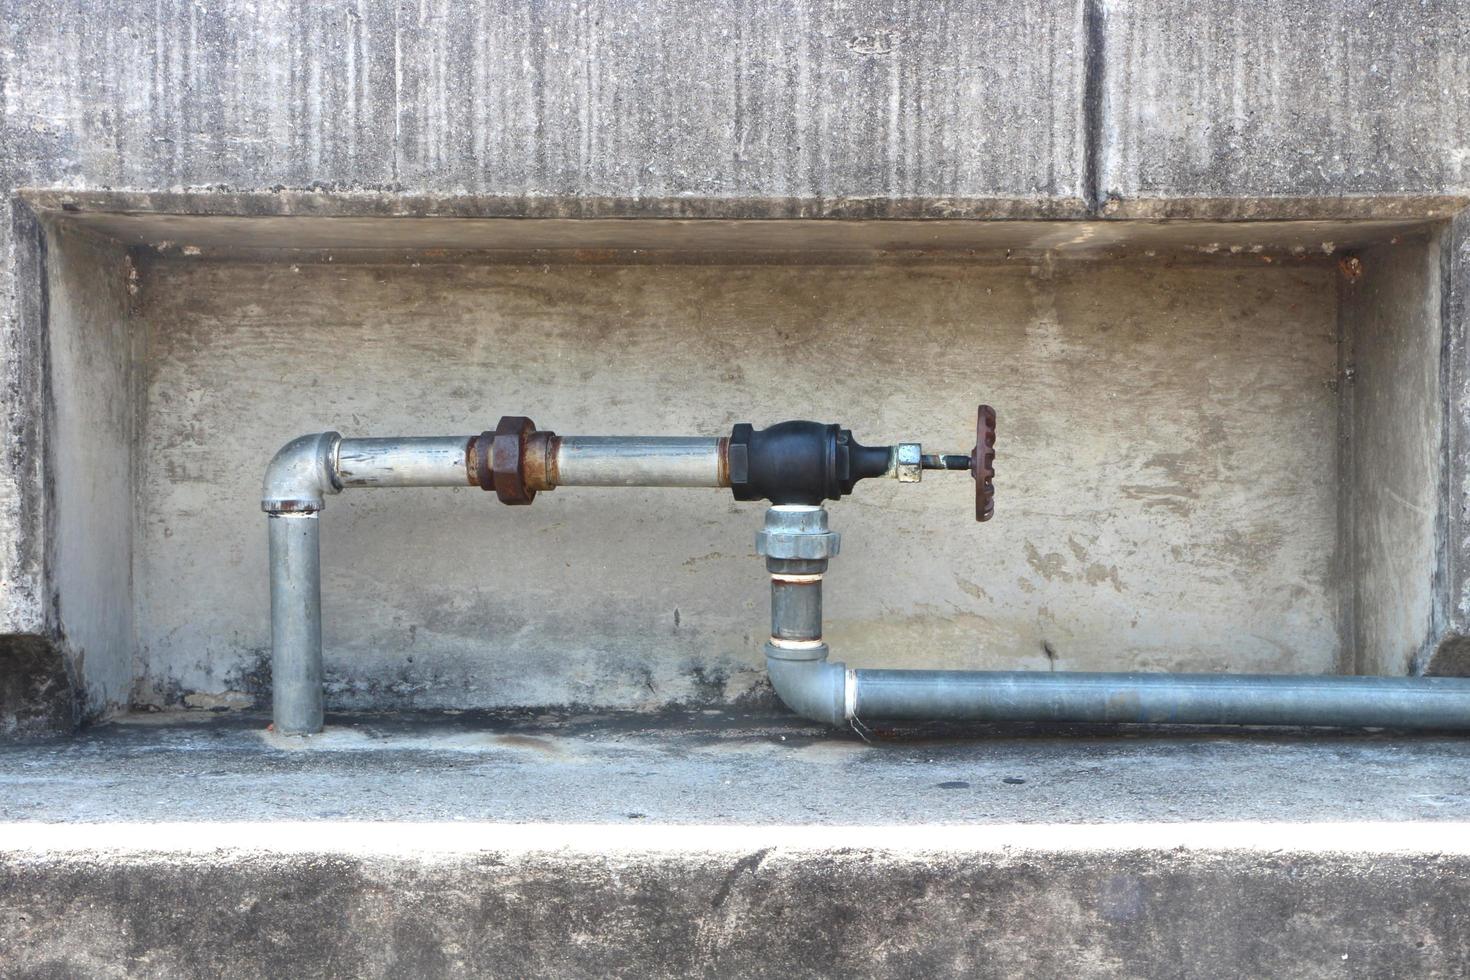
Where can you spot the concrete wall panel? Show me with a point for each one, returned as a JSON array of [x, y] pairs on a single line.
[[1167, 470], [1303, 99], [1394, 448]]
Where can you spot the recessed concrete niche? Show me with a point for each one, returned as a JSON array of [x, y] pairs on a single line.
[[1221, 446]]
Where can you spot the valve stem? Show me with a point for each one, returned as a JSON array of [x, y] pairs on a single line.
[[944, 461]]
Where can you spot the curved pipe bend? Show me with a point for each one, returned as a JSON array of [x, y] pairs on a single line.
[[301, 475], [814, 689]]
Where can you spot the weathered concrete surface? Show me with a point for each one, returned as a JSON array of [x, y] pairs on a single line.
[[24, 608], [772, 102], [757, 905], [92, 444], [1176, 509], [701, 846], [271, 226], [721, 768], [40, 693], [1452, 655], [1394, 454], [1306, 99]]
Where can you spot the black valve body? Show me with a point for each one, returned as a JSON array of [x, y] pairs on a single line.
[[799, 462]]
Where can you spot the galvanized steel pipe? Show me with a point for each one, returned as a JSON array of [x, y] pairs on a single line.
[[404, 462], [796, 660], [796, 607], [296, 622], [797, 545], [638, 461], [311, 468], [1159, 699]]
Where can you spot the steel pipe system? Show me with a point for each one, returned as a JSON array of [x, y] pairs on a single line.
[[795, 465], [308, 470], [830, 693]]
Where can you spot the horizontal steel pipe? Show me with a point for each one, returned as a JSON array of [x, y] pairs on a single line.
[[1186, 699], [638, 461], [437, 461]]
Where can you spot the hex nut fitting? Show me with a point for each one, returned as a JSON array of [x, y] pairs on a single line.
[[797, 531], [908, 458]]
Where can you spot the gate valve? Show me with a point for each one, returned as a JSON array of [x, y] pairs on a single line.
[[795, 462]]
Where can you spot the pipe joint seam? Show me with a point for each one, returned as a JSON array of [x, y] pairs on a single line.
[[796, 532], [796, 650]]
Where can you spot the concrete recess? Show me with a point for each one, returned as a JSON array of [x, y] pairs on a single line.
[[1170, 197]]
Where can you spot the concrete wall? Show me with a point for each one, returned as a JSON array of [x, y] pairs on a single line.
[[93, 442], [1452, 653], [1241, 103], [1168, 445], [1391, 308]]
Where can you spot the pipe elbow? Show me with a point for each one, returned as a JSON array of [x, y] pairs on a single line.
[[301, 475], [814, 689]]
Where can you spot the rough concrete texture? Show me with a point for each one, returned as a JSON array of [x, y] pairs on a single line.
[[40, 692], [92, 444], [1299, 99], [1394, 454], [725, 845], [1452, 654], [750, 906], [720, 767], [1168, 442], [779, 100], [23, 486]]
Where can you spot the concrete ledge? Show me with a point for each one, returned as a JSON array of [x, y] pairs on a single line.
[[479, 899], [721, 844]]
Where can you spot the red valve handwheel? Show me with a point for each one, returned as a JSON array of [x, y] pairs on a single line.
[[982, 463]]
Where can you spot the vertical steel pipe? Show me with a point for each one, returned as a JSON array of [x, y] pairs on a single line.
[[796, 607], [296, 622]]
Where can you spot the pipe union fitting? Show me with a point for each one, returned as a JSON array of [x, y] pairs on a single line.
[[797, 531]]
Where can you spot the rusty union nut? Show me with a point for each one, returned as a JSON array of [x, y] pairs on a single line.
[[508, 460], [797, 531]]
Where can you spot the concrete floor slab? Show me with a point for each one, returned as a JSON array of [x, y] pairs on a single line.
[[717, 768]]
